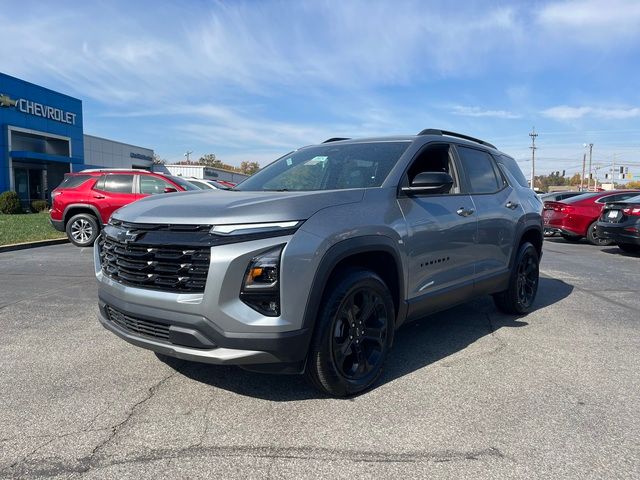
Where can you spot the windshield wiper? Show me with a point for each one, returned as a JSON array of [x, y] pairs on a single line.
[[275, 189]]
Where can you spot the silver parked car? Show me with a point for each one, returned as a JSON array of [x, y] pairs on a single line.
[[311, 264]]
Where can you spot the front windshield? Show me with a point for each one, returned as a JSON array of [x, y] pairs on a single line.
[[329, 167]]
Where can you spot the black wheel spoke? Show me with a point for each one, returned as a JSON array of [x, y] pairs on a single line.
[[359, 333]]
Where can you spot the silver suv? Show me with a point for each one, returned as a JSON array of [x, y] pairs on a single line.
[[311, 264]]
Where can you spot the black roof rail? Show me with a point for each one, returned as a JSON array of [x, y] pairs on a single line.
[[335, 139], [434, 131]]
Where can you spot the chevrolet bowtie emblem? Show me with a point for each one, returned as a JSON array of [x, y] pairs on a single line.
[[6, 101]]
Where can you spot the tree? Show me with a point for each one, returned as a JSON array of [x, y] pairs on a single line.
[[575, 180], [210, 160], [249, 168], [634, 184]]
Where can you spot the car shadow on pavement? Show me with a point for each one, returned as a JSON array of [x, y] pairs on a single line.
[[617, 251], [417, 345]]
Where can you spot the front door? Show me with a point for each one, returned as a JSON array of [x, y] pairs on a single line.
[[112, 191], [441, 230]]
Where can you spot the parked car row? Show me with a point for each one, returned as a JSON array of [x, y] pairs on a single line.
[[603, 218], [84, 201]]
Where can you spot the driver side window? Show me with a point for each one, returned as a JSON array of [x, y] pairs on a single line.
[[435, 158]]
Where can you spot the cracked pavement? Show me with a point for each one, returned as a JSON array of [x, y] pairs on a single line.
[[466, 393]]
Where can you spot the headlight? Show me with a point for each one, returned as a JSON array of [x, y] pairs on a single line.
[[261, 285]]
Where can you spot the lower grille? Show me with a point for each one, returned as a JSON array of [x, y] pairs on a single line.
[[147, 328]]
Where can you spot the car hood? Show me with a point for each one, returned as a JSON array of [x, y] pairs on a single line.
[[220, 207]]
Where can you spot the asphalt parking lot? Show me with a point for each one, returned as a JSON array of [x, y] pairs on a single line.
[[467, 393]]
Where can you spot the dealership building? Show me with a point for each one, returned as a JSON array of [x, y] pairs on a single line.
[[41, 139]]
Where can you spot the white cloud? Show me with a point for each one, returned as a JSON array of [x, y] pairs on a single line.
[[565, 112], [600, 22], [467, 111]]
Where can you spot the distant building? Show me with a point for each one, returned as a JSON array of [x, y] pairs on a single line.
[[42, 138], [201, 171]]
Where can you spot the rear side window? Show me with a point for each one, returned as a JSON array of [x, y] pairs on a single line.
[[73, 181], [480, 171], [118, 183], [616, 198], [512, 167]]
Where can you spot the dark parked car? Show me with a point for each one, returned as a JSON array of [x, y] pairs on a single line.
[[576, 217], [620, 223], [84, 201]]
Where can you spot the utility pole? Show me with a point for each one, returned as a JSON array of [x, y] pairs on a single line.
[[589, 178], [584, 163], [188, 155], [533, 148]]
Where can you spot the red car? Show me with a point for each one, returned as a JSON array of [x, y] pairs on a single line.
[[84, 201], [576, 217]]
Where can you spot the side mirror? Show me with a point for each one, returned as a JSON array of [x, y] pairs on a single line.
[[170, 190], [429, 183]]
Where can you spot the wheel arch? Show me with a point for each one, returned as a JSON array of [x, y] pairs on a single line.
[[76, 208], [532, 234], [376, 253]]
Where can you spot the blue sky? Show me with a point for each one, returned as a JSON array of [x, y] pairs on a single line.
[[251, 80]]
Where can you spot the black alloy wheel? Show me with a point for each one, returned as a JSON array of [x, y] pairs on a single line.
[[518, 298], [353, 333], [527, 280], [360, 334]]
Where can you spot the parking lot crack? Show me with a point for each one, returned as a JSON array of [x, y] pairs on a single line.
[[129, 415]]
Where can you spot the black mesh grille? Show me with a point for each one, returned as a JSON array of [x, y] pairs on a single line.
[[158, 267], [138, 326]]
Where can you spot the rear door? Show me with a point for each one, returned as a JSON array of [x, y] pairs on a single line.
[[112, 191], [497, 209]]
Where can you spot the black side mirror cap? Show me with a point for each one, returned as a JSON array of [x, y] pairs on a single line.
[[429, 183]]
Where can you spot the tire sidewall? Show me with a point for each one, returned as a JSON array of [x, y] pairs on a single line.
[[593, 240], [94, 224], [321, 357], [526, 249]]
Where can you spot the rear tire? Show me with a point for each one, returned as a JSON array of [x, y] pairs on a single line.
[[629, 247], [518, 298], [82, 229], [594, 239], [353, 334]]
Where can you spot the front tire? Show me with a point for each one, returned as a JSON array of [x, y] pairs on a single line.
[[354, 332], [518, 298], [82, 229]]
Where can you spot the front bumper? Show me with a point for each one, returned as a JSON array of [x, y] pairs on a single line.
[[57, 224], [211, 327]]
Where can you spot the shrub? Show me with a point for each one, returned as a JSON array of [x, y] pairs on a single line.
[[10, 203], [39, 205]]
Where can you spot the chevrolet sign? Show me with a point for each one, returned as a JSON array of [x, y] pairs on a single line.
[[38, 109]]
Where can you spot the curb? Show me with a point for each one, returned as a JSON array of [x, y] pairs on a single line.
[[25, 245]]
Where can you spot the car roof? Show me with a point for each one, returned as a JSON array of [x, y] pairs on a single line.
[[428, 134], [100, 171]]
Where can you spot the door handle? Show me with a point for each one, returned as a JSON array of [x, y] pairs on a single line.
[[463, 212], [512, 205], [98, 196]]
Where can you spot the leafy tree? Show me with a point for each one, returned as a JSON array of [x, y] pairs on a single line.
[[210, 160], [249, 168], [575, 180], [634, 184]]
